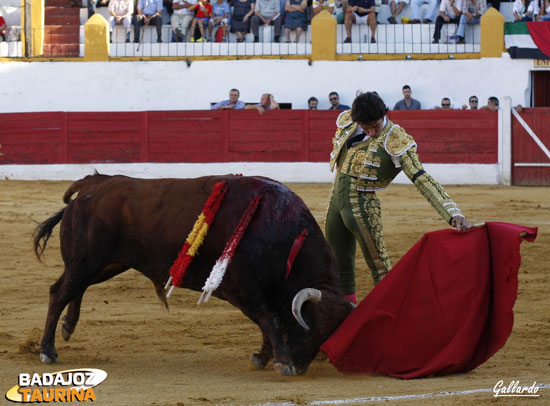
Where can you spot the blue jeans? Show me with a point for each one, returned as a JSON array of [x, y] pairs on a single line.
[[462, 24]]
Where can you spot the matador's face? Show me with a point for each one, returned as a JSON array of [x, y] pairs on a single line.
[[373, 129]]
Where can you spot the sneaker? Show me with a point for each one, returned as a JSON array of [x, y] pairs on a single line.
[[202, 39], [392, 20], [435, 41], [460, 40], [159, 39], [276, 38], [347, 40], [192, 39], [427, 21], [372, 40], [256, 39], [415, 21]]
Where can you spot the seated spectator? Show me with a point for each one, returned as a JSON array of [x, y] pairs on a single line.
[[148, 12], [94, 4], [232, 104], [473, 102], [295, 18], [243, 10], [541, 10], [449, 12], [312, 103], [320, 5], [396, 9], [3, 28], [431, 13], [492, 104], [267, 102], [408, 103], [120, 12], [181, 18], [334, 100], [360, 12], [267, 12], [523, 10], [472, 11], [220, 18], [202, 17]]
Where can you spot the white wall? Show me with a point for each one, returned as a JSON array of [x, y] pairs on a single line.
[[172, 85]]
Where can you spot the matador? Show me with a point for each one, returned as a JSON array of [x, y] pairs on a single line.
[[368, 153]]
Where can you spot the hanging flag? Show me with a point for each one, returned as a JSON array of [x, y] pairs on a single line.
[[528, 40]]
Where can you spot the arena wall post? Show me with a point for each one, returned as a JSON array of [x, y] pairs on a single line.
[[492, 34], [323, 37], [505, 141], [96, 39]]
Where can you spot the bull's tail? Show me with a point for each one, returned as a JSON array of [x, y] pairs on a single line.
[[43, 233]]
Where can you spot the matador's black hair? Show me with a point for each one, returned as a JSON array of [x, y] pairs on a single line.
[[368, 108]]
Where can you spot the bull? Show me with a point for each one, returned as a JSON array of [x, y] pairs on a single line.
[[113, 223]]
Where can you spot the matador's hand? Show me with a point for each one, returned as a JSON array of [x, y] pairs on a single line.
[[460, 223]]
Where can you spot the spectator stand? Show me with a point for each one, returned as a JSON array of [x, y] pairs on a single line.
[[12, 46]]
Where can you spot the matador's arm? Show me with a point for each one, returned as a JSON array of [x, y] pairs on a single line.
[[428, 186]]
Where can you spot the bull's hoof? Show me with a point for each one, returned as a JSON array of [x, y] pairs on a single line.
[[46, 359], [257, 362], [66, 333], [284, 369]]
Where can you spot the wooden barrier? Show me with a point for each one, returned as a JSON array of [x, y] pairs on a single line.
[[228, 136]]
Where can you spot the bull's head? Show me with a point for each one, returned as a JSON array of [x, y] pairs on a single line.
[[318, 314]]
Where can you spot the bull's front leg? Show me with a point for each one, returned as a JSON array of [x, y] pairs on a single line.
[[262, 358], [271, 327]]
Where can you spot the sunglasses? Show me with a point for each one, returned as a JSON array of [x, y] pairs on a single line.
[[473, 101], [333, 98], [445, 105]]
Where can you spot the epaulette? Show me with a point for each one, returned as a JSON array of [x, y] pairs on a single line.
[[344, 119], [398, 141]]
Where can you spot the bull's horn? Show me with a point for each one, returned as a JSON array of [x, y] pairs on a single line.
[[302, 296]]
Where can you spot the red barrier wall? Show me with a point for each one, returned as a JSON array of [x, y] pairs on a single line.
[[227, 136], [526, 151]]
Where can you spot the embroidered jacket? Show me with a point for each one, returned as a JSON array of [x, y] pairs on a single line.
[[375, 162]]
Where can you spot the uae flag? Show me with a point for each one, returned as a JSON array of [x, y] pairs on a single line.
[[529, 40]]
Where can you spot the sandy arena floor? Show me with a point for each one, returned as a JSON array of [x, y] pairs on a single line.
[[199, 355]]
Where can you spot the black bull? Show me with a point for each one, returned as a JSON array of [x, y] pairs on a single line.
[[116, 223]]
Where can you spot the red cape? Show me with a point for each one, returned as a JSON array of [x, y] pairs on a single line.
[[446, 306]]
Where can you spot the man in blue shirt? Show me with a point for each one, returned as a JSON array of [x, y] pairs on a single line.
[[148, 12], [408, 103], [232, 104], [334, 100], [360, 12]]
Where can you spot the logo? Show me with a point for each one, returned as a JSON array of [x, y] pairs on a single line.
[[73, 385], [515, 389]]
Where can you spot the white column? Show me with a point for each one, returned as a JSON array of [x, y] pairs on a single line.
[[505, 141]]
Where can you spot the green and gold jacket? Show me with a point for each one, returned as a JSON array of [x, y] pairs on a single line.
[[375, 162]]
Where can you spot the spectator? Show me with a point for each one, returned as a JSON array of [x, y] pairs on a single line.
[[267, 12], [94, 4], [542, 10], [396, 9], [148, 12], [312, 103], [473, 101], [3, 28], [120, 12], [334, 100], [471, 14], [232, 104], [267, 102], [295, 18], [329, 5], [445, 104], [181, 18], [431, 12], [523, 10], [449, 12], [220, 18], [492, 104], [360, 12], [408, 103], [202, 16], [243, 10]]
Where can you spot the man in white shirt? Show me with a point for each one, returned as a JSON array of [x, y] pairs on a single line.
[[181, 18], [120, 12], [449, 12]]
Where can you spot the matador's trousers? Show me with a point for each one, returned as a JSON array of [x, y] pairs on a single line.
[[352, 217]]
